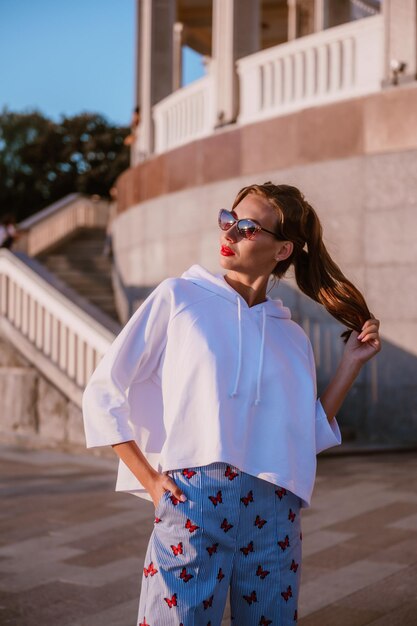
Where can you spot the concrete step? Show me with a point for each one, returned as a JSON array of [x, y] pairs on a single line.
[[80, 263]]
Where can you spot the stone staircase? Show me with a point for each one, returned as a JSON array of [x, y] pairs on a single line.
[[80, 263]]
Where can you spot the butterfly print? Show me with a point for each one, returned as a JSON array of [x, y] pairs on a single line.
[[225, 525], [261, 572], [294, 566], [291, 515], [157, 520], [171, 601], [230, 474], [301, 536], [207, 603], [188, 473], [177, 549], [247, 549], [144, 623], [295, 615], [216, 499], [281, 492], [212, 549], [251, 598], [190, 526], [265, 622], [184, 576], [284, 544], [259, 522], [174, 499], [248, 498], [150, 571], [220, 575], [287, 594]]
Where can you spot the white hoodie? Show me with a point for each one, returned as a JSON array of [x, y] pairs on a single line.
[[197, 376]]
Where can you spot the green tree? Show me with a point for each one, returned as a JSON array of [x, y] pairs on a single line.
[[41, 160]]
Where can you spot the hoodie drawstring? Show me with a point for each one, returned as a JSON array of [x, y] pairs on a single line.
[[239, 316], [261, 358], [261, 353]]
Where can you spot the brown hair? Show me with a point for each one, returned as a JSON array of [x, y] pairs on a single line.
[[316, 273]]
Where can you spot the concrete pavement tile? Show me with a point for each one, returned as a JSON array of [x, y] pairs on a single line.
[[319, 540], [402, 616], [337, 584], [336, 615]]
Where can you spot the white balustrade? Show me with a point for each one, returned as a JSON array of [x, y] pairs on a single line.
[[57, 221], [338, 63], [184, 115], [66, 335]]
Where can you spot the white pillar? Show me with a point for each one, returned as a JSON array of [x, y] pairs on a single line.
[[235, 34], [292, 19], [177, 55], [319, 22], [156, 28], [400, 18]]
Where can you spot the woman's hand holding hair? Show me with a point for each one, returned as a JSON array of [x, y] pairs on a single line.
[[364, 345]]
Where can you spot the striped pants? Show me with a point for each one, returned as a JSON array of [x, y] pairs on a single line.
[[234, 530]]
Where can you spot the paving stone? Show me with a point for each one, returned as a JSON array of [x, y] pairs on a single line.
[[72, 550]]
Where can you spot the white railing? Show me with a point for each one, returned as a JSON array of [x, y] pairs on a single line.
[[52, 325], [184, 115], [57, 221], [338, 63]]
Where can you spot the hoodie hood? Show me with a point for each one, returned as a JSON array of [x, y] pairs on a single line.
[[217, 284]]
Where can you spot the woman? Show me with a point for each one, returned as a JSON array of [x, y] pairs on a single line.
[[208, 396]]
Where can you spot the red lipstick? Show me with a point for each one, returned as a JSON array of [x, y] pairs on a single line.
[[225, 251]]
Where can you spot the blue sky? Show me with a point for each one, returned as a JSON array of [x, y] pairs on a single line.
[[64, 57]]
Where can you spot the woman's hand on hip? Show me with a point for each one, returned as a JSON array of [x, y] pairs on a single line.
[[163, 483]]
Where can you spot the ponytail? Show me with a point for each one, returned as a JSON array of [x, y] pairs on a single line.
[[316, 273]]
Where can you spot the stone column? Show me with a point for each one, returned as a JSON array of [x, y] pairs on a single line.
[[177, 58], [235, 34], [292, 19], [319, 18], [400, 19], [156, 28]]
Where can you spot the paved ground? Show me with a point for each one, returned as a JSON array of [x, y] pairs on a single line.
[[71, 549]]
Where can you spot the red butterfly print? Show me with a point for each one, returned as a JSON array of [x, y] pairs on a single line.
[[150, 570], [212, 549], [174, 499], [287, 594], [230, 474], [188, 473], [247, 549], [248, 498], [251, 598], [177, 549], [281, 492], [220, 575], [264, 621], [157, 520], [171, 601], [144, 623], [295, 615], [225, 525], [261, 572], [291, 515], [208, 602], [259, 522], [216, 499], [184, 576], [294, 566], [284, 544], [191, 527]]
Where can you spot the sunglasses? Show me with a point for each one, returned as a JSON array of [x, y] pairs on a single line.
[[246, 227]]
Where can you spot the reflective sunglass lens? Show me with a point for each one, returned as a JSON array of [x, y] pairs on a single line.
[[247, 228], [226, 219]]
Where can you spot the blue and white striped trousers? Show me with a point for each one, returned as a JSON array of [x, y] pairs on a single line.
[[234, 530]]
